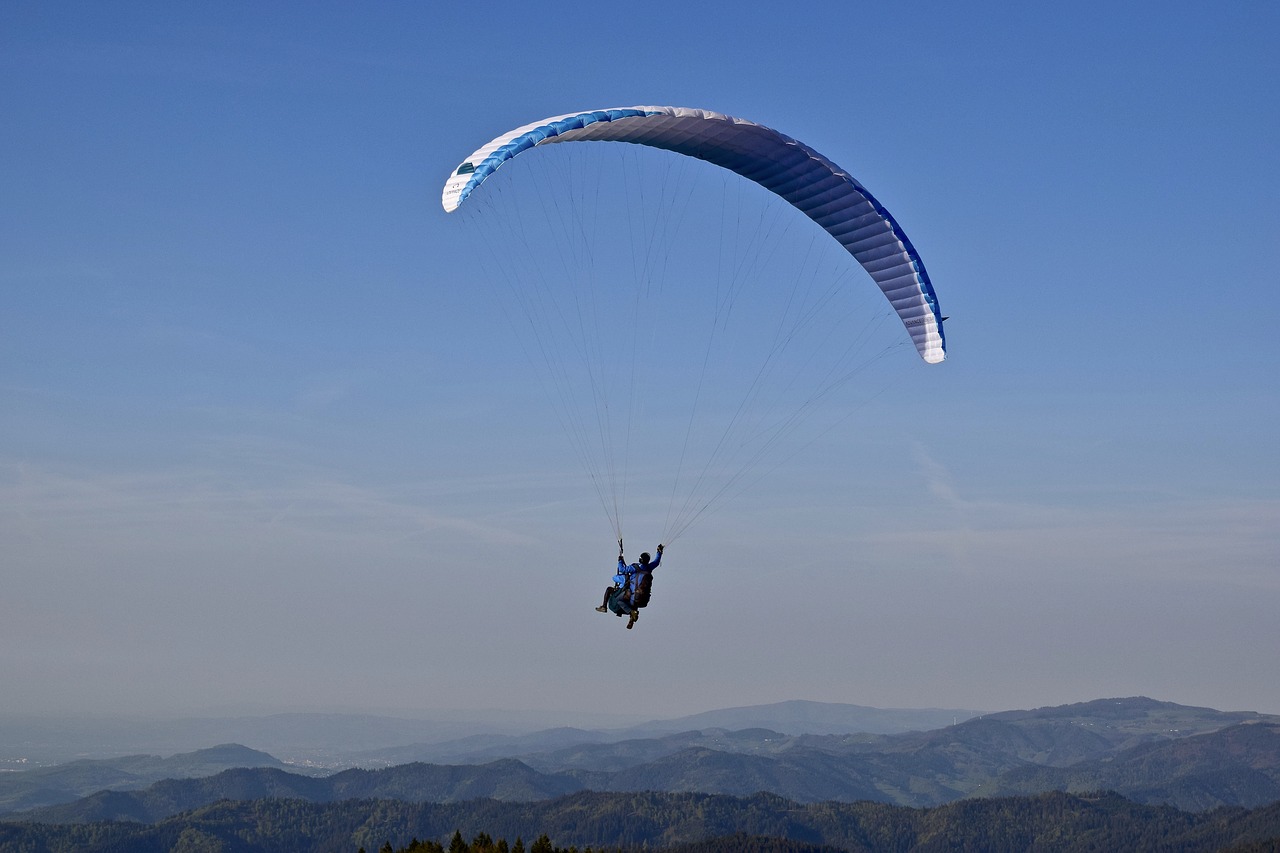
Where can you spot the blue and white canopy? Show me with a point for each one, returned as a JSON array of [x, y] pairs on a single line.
[[817, 187]]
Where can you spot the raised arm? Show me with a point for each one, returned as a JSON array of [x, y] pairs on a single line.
[[653, 564]]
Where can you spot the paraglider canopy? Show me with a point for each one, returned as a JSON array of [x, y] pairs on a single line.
[[684, 331], [792, 170]]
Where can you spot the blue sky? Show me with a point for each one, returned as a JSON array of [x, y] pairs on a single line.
[[265, 446]]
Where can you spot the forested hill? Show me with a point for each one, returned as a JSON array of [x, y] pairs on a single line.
[[680, 823]]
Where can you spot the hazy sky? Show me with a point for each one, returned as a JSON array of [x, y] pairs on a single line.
[[263, 446]]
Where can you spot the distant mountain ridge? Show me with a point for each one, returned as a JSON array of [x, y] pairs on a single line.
[[1194, 758], [506, 780], [797, 717], [800, 716], [52, 785]]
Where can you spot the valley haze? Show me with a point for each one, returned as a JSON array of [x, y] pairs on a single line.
[[339, 739]]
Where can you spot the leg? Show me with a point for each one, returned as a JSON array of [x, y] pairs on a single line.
[[618, 602]]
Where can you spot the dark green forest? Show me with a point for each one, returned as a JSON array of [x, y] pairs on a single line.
[[675, 823], [484, 843]]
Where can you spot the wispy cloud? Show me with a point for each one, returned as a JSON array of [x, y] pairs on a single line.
[[1231, 540], [41, 504]]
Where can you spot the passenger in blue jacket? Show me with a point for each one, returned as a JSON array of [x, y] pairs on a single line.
[[631, 586]]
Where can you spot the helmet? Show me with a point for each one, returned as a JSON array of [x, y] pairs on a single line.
[[644, 558]]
